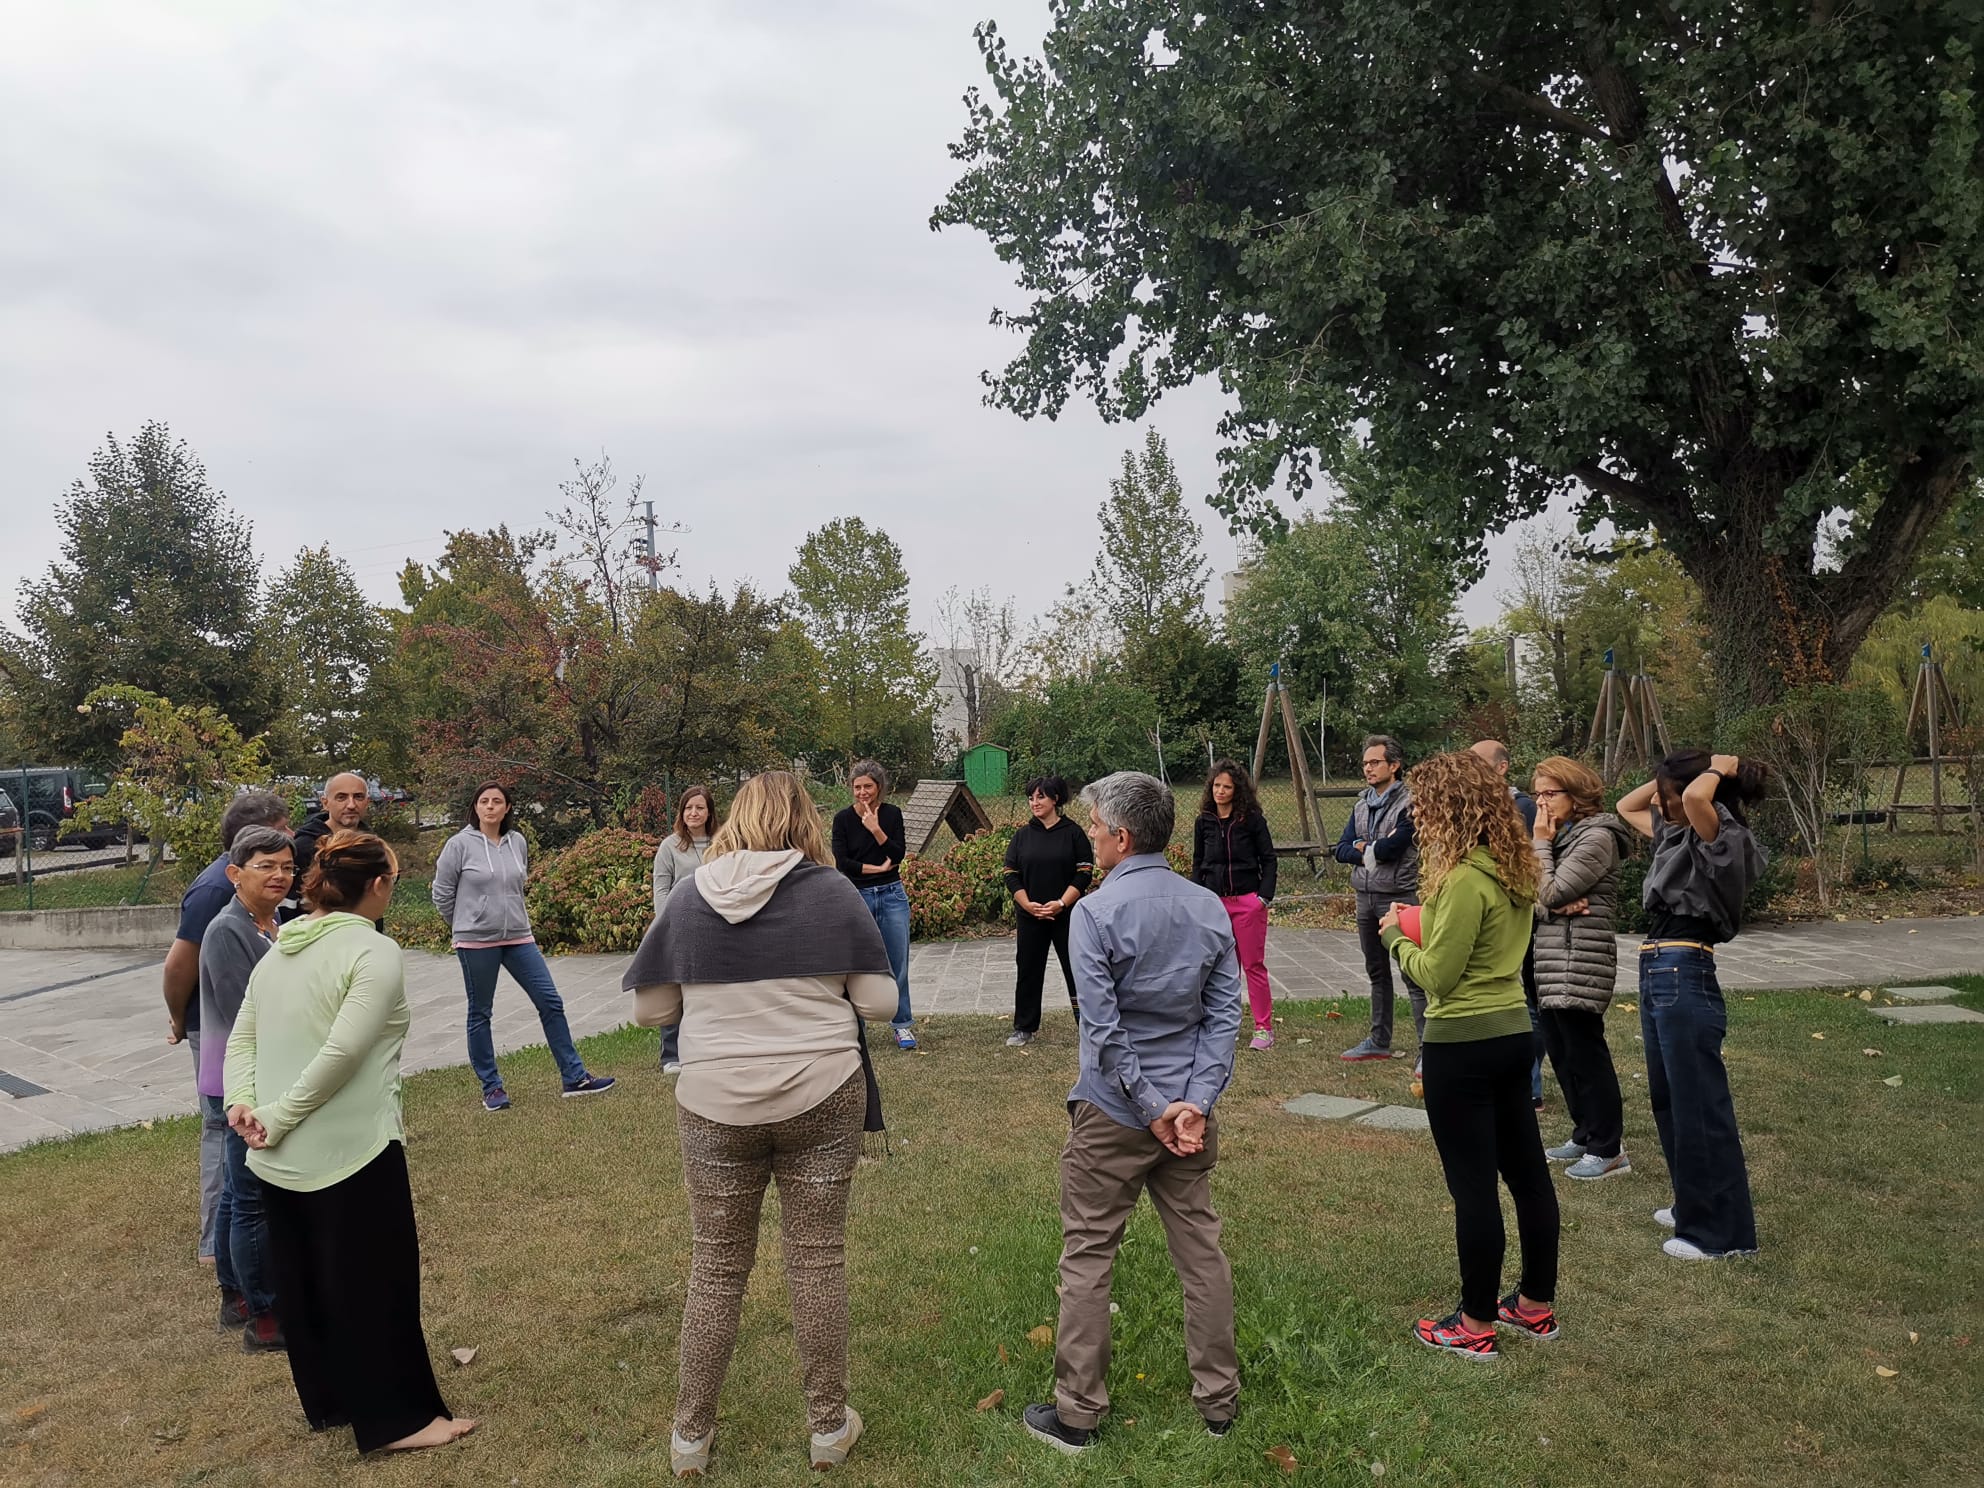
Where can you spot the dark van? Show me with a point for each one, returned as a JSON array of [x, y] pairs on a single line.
[[46, 796]]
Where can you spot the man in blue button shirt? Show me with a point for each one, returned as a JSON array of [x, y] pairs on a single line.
[[1160, 1009]]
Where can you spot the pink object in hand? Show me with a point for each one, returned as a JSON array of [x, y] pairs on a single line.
[[1408, 924]]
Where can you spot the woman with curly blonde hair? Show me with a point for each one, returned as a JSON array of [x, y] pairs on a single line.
[[1478, 882]]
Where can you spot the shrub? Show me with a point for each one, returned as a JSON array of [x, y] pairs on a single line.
[[980, 860], [596, 895], [939, 898], [649, 812]]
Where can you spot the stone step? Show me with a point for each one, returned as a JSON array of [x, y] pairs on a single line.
[[1928, 1012], [1924, 994]]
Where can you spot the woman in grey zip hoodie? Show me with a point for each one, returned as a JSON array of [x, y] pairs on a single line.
[[678, 857], [479, 892]]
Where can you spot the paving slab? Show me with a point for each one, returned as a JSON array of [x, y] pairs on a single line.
[[1397, 1118], [1328, 1107], [1929, 1012], [1935, 993]]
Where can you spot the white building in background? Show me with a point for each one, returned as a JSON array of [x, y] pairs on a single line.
[[1247, 548], [953, 663]]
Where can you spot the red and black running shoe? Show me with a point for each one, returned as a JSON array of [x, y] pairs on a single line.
[[1542, 1323], [1451, 1334]]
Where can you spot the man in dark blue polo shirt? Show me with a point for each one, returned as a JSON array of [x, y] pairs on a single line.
[[206, 897]]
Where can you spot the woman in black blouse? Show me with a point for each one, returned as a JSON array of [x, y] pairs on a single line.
[[1233, 855], [1049, 864], [868, 846]]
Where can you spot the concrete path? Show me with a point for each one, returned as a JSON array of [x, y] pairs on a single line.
[[82, 1033]]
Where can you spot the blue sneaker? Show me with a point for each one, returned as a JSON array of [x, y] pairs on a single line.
[[905, 1038], [590, 1085], [497, 1099]]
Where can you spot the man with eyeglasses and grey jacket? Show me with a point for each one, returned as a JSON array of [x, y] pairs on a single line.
[[1383, 854]]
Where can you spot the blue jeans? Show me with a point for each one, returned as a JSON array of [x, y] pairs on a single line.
[[525, 963], [213, 1120], [889, 904], [244, 1233], [1683, 1020], [213, 1156]]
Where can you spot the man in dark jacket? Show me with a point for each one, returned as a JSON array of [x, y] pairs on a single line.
[[345, 801], [1379, 845]]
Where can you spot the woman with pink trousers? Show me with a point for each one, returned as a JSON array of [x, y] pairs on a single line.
[[1233, 855]]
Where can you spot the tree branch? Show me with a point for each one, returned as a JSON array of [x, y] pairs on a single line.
[[1562, 120], [1668, 509], [1923, 492]]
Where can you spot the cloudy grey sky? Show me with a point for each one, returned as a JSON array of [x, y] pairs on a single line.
[[390, 268]]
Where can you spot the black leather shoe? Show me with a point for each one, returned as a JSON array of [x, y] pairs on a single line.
[[1044, 1422], [1219, 1428]]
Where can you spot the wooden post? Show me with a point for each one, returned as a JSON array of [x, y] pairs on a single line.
[[1908, 737], [1267, 712], [1933, 674], [1299, 764]]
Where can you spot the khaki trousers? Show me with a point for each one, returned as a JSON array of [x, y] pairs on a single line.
[[1104, 1166]]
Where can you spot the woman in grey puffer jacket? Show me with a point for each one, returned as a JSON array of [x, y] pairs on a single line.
[[1578, 847]]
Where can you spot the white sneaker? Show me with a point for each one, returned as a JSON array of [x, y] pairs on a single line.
[[1686, 1250], [831, 1451], [688, 1459], [1664, 1217], [673, 1067]]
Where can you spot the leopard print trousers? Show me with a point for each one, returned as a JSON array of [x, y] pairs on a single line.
[[725, 1169]]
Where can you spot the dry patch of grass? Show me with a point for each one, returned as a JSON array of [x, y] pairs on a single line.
[[555, 1243]]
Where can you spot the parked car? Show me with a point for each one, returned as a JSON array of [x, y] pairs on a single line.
[[10, 826], [46, 796]]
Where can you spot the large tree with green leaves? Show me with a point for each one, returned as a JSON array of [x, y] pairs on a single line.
[[1151, 569], [158, 587], [853, 596], [1712, 269], [326, 640]]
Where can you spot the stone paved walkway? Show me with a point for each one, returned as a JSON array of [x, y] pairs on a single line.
[[82, 1033]]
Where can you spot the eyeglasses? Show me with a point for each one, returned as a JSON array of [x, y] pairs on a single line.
[[272, 870], [1545, 795]]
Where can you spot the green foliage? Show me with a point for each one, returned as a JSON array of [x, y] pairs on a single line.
[[327, 641], [1081, 729], [939, 898], [854, 597], [1195, 679], [1892, 657], [1151, 571], [156, 589], [1530, 251], [596, 895], [1358, 604], [180, 767], [980, 860]]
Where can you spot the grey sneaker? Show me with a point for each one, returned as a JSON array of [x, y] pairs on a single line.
[[1018, 1039], [687, 1459], [1570, 1152], [1664, 1217], [1363, 1051], [1591, 1165], [831, 1450]]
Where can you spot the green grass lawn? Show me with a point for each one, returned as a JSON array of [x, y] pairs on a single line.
[[91, 888], [555, 1243]]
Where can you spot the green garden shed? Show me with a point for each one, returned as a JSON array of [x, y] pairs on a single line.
[[986, 767]]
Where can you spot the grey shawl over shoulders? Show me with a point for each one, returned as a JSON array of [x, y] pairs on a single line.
[[1577, 956]]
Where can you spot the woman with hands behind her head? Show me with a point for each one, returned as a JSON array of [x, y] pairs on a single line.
[[1704, 861], [313, 1088]]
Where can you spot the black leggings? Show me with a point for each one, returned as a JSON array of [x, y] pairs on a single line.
[[1477, 1100], [1036, 938]]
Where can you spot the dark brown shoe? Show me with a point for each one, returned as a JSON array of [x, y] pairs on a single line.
[[263, 1335]]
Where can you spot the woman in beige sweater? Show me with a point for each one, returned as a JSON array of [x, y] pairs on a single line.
[[765, 966]]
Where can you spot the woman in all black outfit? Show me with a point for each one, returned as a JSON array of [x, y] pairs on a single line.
[[1049, 864], [1233, 855]]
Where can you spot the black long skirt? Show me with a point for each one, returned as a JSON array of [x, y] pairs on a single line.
[[345, 1262]]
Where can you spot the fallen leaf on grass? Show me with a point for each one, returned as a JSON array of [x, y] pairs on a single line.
[[1305, 1041], [462, 1356], [1871, 1053], [1041, 1337], [1884, 1372], [1377, 1469], [1866, 996], [1818, 1035], [171, 1435], [146, 1125], [1282, 1458], [1004, 1357], [1893, 1080], [27, 1415], [1914, 1337], [1332, 1013], [993, 1401], [1629, 1007]]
